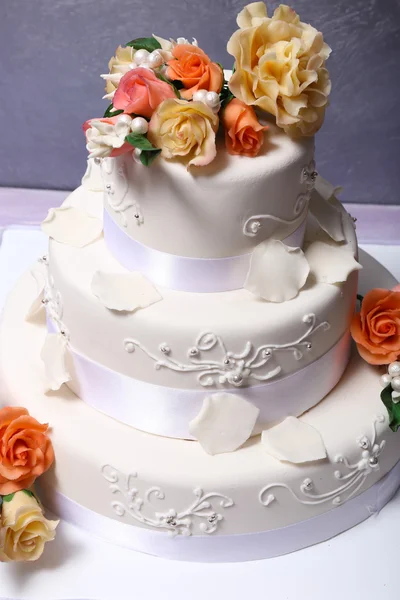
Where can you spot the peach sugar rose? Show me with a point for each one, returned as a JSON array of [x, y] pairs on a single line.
[[140, 92], [184, 130], [195, 70], [25, 450], [243, 133], [376, 328]]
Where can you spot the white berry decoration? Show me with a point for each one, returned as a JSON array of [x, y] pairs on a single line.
[[385, 380], [396, 384], [139, 125], [155, 59], [394, 369], [212, 100], [141, 56], [136, 155], [200, 96]]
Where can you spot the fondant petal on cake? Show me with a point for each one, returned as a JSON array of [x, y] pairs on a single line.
[[92, 179], [328, 215], [72, 226], [277, 272], [37, 303], [53, 354], [330, 263], [294, 441], [124, 291], [224, 423]]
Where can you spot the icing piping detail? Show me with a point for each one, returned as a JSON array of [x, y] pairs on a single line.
[[253, 224], [308, 176], [200, 513], [233, 368], [121, 203], [351, 481]]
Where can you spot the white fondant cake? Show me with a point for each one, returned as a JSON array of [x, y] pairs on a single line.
[[199, 293]]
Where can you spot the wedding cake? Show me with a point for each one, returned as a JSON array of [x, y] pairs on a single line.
[[188, 335]]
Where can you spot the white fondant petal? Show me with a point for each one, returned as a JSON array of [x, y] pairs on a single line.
[[330, 263], [53, 354], [224, 423], [72, 226], [277, 272], [92, 179], [328, 216], [37, 303], [124, 291], [294, 441]]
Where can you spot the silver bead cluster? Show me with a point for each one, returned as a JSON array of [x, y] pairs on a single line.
[[165, 349]]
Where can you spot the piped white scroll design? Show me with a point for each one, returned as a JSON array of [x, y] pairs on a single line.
[[253, 224], [119, 202], [233, 368], [350, 482], [200, 517]]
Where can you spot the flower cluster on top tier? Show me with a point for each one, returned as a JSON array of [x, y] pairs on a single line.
[[170, 99], [26, 452]]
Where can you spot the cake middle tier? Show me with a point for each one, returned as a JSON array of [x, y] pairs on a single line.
[[188, 346]]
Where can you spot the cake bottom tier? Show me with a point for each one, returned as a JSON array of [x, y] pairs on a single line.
[[169, 498]]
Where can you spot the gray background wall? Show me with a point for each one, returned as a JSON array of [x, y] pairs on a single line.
[[52, 52]]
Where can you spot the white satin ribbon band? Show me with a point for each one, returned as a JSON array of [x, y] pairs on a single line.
[[168, 411], [183, 273], [227, 548]]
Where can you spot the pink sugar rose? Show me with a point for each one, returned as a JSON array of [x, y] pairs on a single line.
[[140, 92]]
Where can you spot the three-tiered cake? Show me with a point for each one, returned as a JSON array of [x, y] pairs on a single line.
[[199, 291]]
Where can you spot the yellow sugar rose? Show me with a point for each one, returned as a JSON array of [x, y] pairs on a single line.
[[119, 64], [184, 130], [280, 67], [23, 528]]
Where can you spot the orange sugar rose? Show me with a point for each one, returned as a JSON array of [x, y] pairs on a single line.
[[25, 450], [376, 328], [243, 133], [195, 70]]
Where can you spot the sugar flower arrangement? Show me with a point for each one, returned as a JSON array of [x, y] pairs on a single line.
[[375, 328], [169, 99], [26, 452]]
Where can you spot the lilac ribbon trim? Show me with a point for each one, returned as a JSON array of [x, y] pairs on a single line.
[[182, 273], [168, 411], [226, 548]]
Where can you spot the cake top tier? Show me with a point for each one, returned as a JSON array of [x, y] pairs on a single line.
[[169, 99]]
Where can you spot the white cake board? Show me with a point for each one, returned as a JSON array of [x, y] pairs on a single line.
[[361, 563]]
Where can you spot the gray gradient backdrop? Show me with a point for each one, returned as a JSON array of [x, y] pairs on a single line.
[[52, 52]]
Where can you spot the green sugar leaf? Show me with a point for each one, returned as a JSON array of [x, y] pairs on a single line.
[[145, 43], [8, 498], [392, 408], [138, 140], [111, 112], [146, 157]]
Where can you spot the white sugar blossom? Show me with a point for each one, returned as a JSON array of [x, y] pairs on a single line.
[[103, 137]]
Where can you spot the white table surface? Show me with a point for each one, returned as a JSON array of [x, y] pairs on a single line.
[[359, 564]]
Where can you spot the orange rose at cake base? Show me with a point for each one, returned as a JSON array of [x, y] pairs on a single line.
[[376, 328], [26, 452]]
